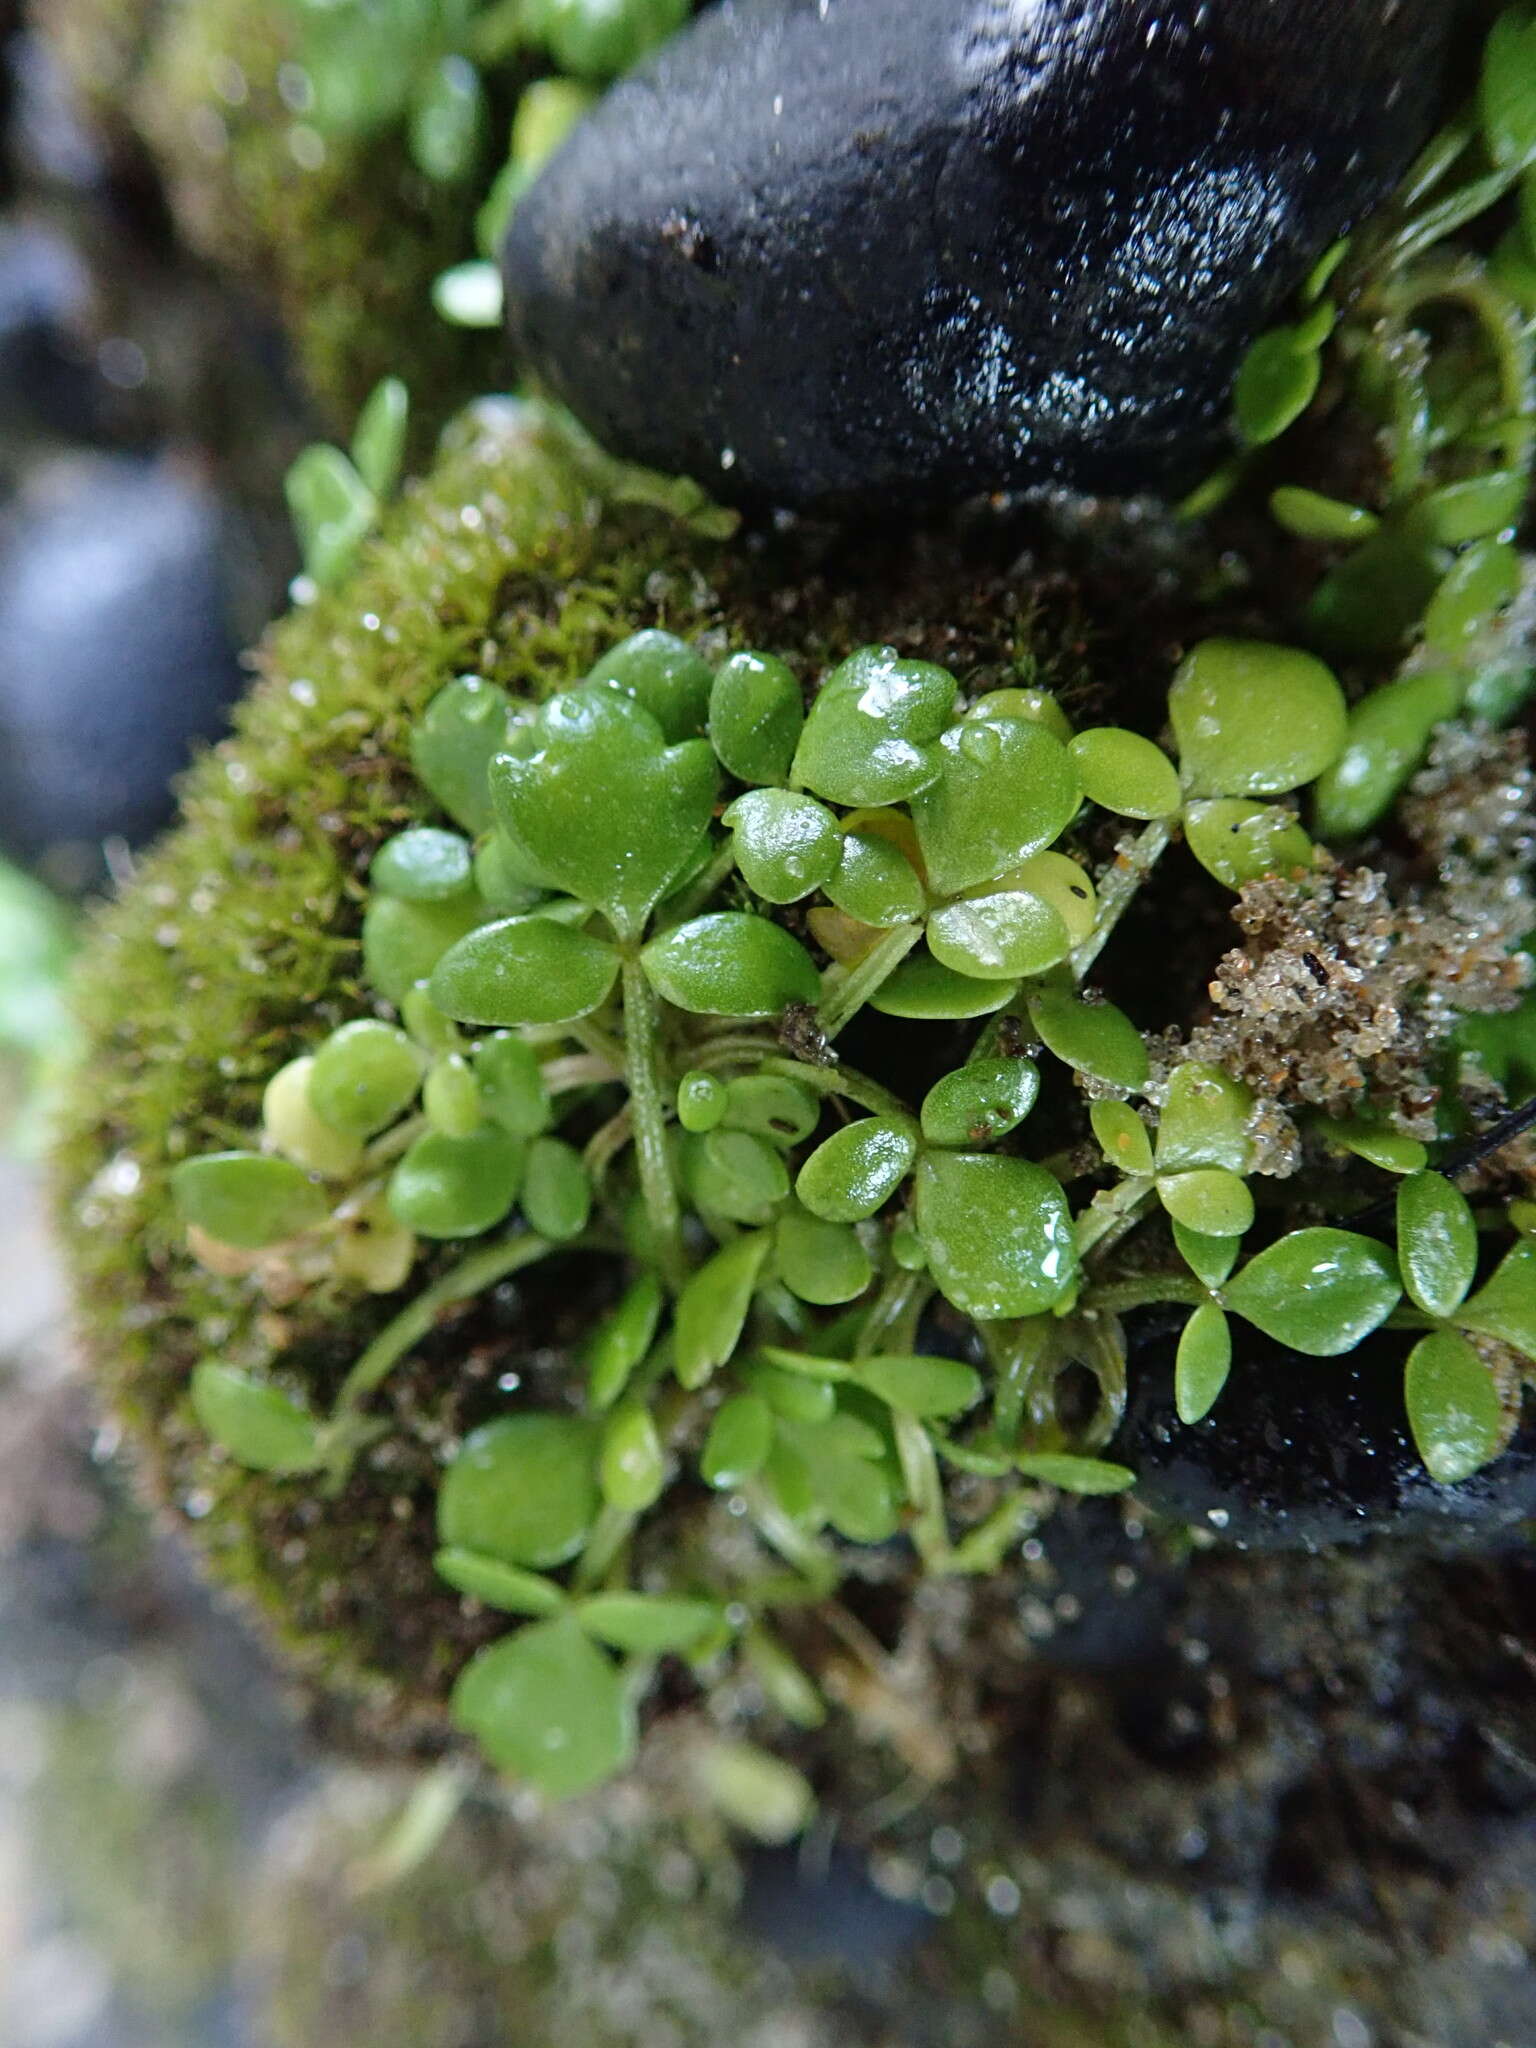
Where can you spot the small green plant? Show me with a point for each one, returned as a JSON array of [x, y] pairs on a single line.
[[335, 496], [764, 1011], [613, 1042]]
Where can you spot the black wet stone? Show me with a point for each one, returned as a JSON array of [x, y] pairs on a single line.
[[116, 655], [837, 249], [1301, 1453]]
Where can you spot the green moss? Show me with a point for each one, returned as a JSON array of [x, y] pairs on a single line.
[[345, 235]]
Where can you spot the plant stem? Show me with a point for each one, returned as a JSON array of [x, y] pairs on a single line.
[[470, 1277], [1131, 866], [929, 1530], [1117, 1296], [900, 1301], [1016, 1366], [845, 1081], [578, 1070], [845, 990], [809, 1557], [642, 1062], [1112, 1213], [610, 1532]]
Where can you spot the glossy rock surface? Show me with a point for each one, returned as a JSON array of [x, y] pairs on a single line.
[[827, 249], [116, 655], [1300, 1453]]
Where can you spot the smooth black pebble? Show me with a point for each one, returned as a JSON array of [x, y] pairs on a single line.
[[116, 655], [886, 250], [1301, 1453]]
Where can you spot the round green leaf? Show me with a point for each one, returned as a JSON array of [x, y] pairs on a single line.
[[1311, 516], [378, 440], [451, 1097], [1319, 1291], [755, 717], [1210, 1259], [1454, 1410], [453, 744], [1477, 586], [1241, 842], [259, 1426], [921, 1386], [288, 1118], [997, 1232], [857, 1170], [1210, 1199], [1506, 1307], [631, 1465], [836, 1471], [647, 1624], [423, 865], [1008, 788], [522, 1490], [364, 1076], [869, 736], [712, 1308], [701, 1101], [332, 511], [731, 964], [739, 1440], [1205, 1121], [1125, 773], [980, 1102], [734, 1174], [1060, 881], [1375, 597], [998, 937], [502, 879], [457, 1187], [820, 1262], [1095, 1038], [602, 806], [511, 1083], [925, 989], [786, 845], [499, 1585], [1203, 1361], [1038, 707], [1474, 507], [1378, 1143], [1075, 1475], [663, 675], [1389, 735], [1436, 1242], [775, 1107], [622, 1340], [556, 1192], [247, 1199], [874, 881], [756, 1791], [1254, 720], [548, 1706], [524, 970], [793, 1395], [1277, 382], [1122, 1137], [403, 942]]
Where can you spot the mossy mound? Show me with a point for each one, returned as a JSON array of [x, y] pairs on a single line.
[[346, 235], [519, 560]]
